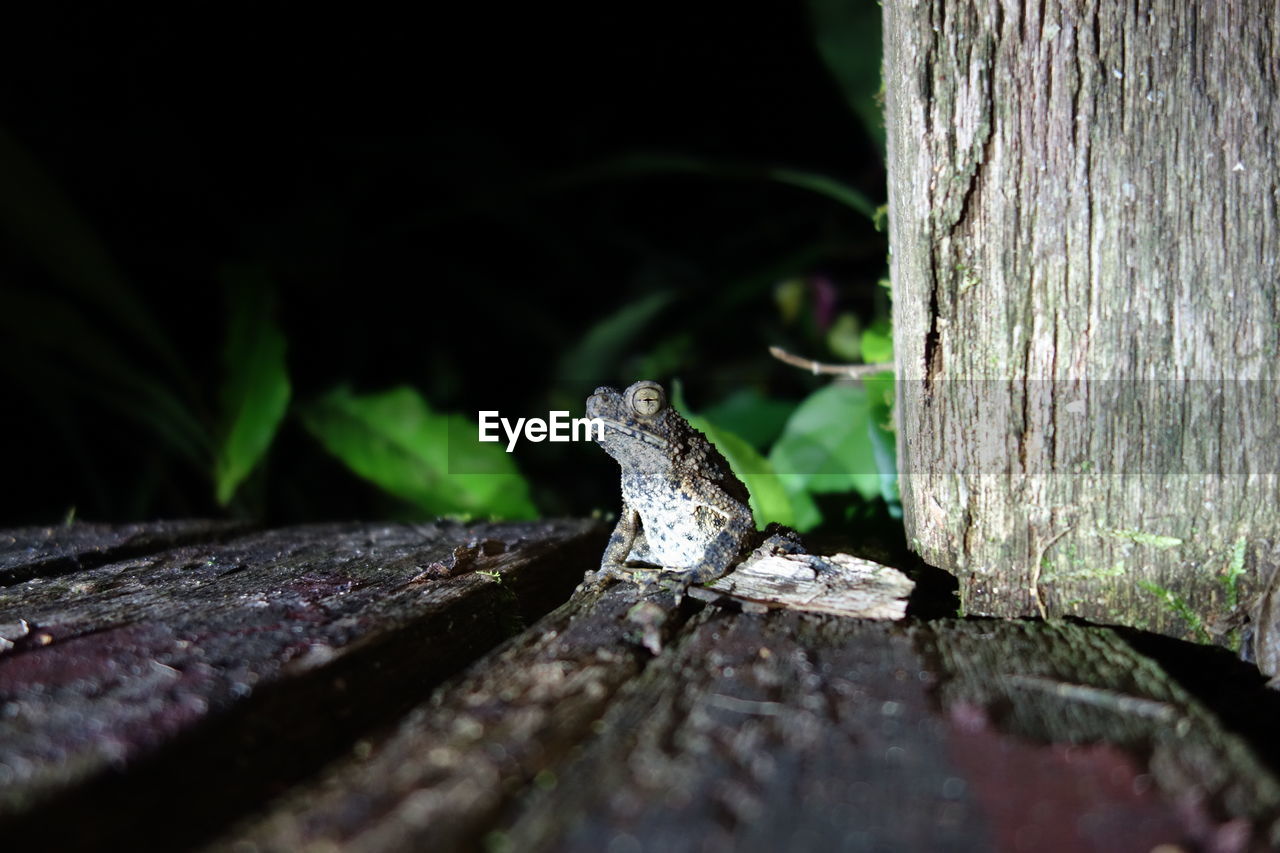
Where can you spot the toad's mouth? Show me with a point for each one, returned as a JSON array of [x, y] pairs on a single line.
[[635, 432]]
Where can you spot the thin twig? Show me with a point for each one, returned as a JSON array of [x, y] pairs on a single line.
[[1035, 569], [853, 371]]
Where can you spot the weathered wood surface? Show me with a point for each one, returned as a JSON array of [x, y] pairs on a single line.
[[197, 679], [445, 775], [1071, 684], [28, 552], [282, 690], [790, 731], [1084, 209], [839, 584]]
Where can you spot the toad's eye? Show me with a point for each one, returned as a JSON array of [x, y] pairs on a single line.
[[646, 398]]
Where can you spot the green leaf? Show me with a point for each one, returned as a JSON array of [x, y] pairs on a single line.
[[848, 39], [639, 165], [826, 186], [844, 338], [753, 416], [881, 221], [255, 390], [877, 342], [433, 460], [804, 511], [881, 429], [769, 500], [826, 445], [605, 342]]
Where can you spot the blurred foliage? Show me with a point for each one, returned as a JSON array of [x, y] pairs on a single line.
[[377, 286], [749, 413], [255, 391], [876, 343], [830, 445], [839, 27], [770, 499], [647, 165], [882, 432], [614, 336], [395, 440]]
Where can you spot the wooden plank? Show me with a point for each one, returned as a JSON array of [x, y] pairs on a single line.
[[764, 732], [441, 779], [1066, 683], [833, 738], [786, 730], [234, 669], [27, 552], [163, 699]]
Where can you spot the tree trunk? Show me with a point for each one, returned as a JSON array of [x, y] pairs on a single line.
[[1083, 220]]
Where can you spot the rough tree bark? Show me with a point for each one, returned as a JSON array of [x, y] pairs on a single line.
[[1083, 220]]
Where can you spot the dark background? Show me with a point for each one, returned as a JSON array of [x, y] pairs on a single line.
[[435, 198]]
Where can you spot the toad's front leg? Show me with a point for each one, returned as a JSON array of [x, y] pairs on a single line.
[[628, 534], [622, 540]]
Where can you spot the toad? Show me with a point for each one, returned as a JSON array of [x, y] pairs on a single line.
[[683, 509]]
